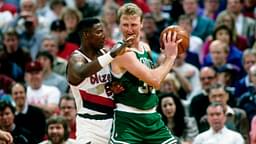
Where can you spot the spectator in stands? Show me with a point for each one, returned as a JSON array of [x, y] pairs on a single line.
[[38, 94], [71, 18], [109, 15], [200, 101], [236, 118], [245, 26], [4, 6], [248, 59], [161, 20], [50, 44], [58, 29], [26, 112], [202, 26], [173, 115], [224, 34], [247, 100], [57, 131], [87, 8], [67, 107], [211, 8], [218, 133], [228, 19], [43, 10], [195, 43], [20, 135], [57, 6], [49, 77], [13, 58]]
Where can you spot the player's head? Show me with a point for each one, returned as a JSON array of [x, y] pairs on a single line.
[[91, 33], [130, 19]]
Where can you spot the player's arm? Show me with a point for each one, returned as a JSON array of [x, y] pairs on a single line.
[[78, 68], [129, 62]]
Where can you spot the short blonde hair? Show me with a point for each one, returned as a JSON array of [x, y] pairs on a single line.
[[129, 9]]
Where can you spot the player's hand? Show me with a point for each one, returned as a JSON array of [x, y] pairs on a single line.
[[6, 137], [120, 47], [171, 44]]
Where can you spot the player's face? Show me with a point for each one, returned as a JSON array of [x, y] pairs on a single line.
[[56, 133], [168, 107], [97, 36], [130, 25], [216, 117]]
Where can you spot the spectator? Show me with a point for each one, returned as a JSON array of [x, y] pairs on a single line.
[[195, 43], [190, 72], [71, 18], [50, 44], [57, 131], [236, 118], [109, 15], [247, 100], [173, 115], [218, 133], [245, 26], [13, 58], [57, 6], [38, 94], [58, 29], [224, 34], [211, 8], [49, 77], [26, 112], [87, 9], [7, 7], [68, 110], [176, 83], [202, 26], [19, 134], [200, 101], [244, 84], [161, 20]]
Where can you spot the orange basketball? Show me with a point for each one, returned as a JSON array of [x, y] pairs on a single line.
[[181, 34]]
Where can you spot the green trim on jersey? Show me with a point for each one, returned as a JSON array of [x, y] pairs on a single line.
[[137, 93]]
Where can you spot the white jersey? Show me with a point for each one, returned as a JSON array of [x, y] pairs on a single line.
[[94, 101]]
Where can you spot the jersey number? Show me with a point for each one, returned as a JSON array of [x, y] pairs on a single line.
[[145, 89]]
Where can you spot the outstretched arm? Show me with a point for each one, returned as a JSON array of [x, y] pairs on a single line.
[[78, 68]]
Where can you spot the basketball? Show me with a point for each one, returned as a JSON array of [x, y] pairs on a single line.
[[181, 34]]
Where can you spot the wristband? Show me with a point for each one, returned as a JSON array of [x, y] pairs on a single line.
[[105, 59]]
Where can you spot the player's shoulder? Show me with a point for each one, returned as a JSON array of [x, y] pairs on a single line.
[[145, 46]]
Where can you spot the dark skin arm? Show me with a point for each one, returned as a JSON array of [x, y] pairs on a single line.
[[78, 68]]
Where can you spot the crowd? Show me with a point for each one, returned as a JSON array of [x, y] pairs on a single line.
[[208, 96]]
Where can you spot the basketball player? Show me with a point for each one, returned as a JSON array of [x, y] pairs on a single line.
[[135, 118], [88, 74]]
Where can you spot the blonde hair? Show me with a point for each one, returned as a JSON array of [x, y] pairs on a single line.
[[129, 9]]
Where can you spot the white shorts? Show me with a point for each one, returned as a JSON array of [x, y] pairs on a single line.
[[94, 131]]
